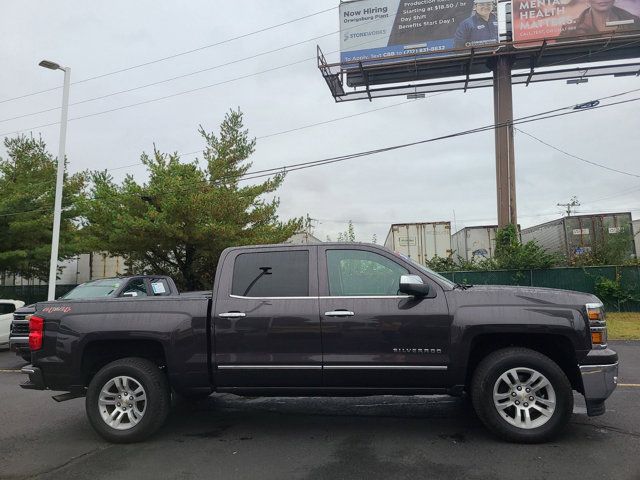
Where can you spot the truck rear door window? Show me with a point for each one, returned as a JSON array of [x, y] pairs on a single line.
[[361, 273], [271, 274], [160, 287]]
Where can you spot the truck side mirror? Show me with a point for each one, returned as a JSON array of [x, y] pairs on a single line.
[[413, 285]]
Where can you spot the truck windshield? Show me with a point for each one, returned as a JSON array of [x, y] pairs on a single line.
[[427, 270], [95, 289]]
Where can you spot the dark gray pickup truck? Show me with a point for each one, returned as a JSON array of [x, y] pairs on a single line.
[[134, 286], [329, 319]]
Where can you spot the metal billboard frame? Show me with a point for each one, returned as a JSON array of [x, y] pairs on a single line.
[[463, 69], [499, 66]]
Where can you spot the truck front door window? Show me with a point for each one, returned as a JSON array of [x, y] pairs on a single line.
[[136, 288], [362, 273]]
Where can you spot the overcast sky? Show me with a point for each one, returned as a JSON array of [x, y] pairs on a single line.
[[418, 184]]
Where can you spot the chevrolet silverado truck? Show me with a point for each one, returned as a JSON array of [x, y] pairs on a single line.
[[135, 286], [330, 319]]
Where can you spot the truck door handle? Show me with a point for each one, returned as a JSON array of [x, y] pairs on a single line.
[[232, 315], [339, 313]]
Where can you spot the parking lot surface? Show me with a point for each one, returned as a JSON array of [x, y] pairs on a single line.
[[384, 437]]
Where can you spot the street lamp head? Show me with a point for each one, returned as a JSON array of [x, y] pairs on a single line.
[[50, 65]]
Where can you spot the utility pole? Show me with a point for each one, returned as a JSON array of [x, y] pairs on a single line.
[[571, 205], [505, 152]]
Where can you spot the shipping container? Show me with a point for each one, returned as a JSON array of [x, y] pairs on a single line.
[[474, 243], [420, 241], [576, 235]]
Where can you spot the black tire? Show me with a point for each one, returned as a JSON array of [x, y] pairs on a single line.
[[26, 357], [156, 406], [486, 376]]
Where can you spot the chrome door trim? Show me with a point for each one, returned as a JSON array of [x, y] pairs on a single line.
[[240, 297], [365, 296], [269, 367], [386, 367], [332, 367]]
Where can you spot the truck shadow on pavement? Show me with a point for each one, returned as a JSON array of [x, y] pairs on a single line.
[[228, 417]]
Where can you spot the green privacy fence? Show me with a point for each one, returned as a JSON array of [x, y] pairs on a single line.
[[31, 293], [626, 282], [622, 294]]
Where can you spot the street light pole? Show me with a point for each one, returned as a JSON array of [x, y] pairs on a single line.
[[57, 209]]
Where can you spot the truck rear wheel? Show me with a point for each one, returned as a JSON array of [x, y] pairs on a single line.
[[522, 395], [128, 400]]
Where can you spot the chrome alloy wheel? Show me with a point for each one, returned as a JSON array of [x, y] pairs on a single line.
[[122, 403], [524, 398]]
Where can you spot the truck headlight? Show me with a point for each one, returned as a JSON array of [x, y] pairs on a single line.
[[597, 324]]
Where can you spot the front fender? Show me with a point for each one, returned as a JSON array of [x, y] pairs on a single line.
[[471, 322]]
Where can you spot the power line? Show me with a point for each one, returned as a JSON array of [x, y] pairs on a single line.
[[576, 156], [621, 194], [526, 119], [303, 127], [187, 52], [327, 161], [178, 77], [153, 100], [159, 82], [228, 81], [165, 97], [41, 209], [315, 163]]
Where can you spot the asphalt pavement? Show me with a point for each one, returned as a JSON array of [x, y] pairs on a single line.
[[384, 437]]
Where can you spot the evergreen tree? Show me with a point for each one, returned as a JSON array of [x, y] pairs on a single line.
[[180, 220], [27, 183]]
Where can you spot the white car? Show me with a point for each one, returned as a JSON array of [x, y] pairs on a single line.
[[7, 307]]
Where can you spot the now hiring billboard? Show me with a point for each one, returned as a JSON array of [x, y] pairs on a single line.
[[377, 29]]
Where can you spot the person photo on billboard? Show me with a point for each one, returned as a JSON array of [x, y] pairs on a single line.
[[599, 17], [480, 28]]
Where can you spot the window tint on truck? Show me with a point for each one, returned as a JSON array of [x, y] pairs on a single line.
[[361, 273], [271, 274], [6, 308]]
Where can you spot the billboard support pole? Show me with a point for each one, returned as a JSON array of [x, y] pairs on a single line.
[[505, 153]]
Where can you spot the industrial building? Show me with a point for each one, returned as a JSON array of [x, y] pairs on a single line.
[[76, 270]]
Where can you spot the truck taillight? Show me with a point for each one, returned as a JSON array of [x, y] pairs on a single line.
[[36, 332], [597, 324]]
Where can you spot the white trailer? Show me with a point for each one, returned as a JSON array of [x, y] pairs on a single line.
[[474, 243], [420, 241]]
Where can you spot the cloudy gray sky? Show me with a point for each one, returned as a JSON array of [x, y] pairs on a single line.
[[418, 184]]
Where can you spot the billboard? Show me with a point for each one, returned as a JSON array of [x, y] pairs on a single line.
[[375, 29], [560, 20]]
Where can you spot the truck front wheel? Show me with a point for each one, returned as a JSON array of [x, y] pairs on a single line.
[[128, 400], [522, 395]]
